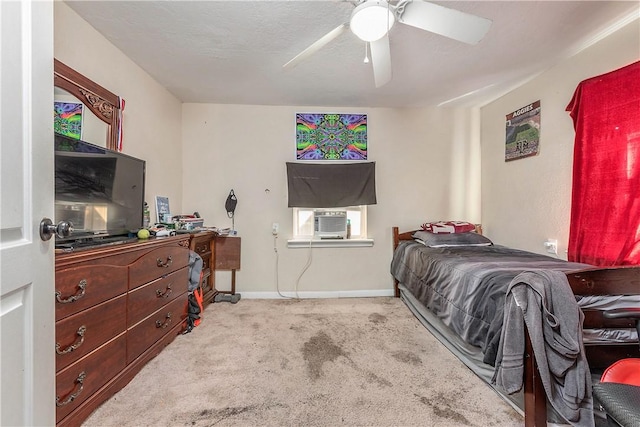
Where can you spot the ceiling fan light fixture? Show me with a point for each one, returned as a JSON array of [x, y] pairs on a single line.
[[371, 20]]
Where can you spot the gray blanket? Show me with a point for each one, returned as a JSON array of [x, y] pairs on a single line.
[[544, 301], [466, 286]]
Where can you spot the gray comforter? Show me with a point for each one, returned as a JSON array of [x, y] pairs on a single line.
[[466, 286]]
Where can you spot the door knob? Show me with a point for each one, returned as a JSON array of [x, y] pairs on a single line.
[[62, 229]]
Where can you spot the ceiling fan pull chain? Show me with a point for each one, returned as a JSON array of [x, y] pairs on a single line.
[[366, 52]]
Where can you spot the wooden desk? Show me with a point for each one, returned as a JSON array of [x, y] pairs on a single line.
[[227, 257]]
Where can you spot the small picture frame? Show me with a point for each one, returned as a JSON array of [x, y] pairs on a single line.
[[163, 213]]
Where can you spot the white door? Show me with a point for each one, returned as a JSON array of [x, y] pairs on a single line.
[[27, 329]]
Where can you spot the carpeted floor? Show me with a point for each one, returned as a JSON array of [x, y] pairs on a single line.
[[333, 362]]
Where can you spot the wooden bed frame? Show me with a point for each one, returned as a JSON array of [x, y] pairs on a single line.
[[596, 281]]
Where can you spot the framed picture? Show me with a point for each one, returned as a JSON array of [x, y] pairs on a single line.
[[331, 136], [522, 132], [163, 213], [67, 118]]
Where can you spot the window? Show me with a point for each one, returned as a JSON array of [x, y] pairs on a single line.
[[303, 221], [330, 187], [605, 213]]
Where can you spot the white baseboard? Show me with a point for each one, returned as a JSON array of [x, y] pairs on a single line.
[[319, 294]]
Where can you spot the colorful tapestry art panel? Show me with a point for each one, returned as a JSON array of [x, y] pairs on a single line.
[[67, 119], [331, 136]]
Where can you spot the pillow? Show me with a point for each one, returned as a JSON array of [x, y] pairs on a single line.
[[448, 227], [433, 240]]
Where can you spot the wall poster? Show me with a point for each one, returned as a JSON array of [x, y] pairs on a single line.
[[523, 132], [331, 136], [67, 118]]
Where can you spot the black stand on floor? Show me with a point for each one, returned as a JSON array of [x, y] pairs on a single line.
[[232, 298], [228, 296]]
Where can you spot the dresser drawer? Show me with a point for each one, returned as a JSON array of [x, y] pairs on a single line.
[[80, 380], [150, 297], [151, 329], [157, 263], [78, 288], [201, 245], [206, 261], [79, 334]]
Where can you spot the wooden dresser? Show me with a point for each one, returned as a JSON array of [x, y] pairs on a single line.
[[202, 243], [117, 307]]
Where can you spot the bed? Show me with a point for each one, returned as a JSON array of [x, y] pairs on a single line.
[[458, 293]]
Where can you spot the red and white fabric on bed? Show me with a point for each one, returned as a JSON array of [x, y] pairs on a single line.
[[448, 227]]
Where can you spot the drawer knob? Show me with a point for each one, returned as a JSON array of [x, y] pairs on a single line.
[[166, 323], [81, 286], [73, 396], [81, 330], [165, 293], [164, 264]]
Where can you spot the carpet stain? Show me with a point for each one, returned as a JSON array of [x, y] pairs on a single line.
[[443, 408], [284, 363], [217, 415], [377, 318], [373, 378], [320, 349], [407, 357]]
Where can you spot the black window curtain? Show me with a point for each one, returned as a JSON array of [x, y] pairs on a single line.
[[313, 185]]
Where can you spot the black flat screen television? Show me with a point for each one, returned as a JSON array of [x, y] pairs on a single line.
[[101, 192]]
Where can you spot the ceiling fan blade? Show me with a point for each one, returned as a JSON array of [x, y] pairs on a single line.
[[316, 46], [447, 22], [381, 60]]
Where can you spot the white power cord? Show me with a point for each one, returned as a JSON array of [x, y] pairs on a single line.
[[304, 268], [275, 250]]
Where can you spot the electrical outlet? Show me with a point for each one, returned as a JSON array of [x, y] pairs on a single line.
[[551, 245], [275, 228]]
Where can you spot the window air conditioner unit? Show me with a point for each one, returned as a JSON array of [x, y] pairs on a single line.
[[330, 224]]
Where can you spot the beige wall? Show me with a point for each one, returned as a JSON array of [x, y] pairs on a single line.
[[526, 201], [427, 160], [425, 170], [152, 116]]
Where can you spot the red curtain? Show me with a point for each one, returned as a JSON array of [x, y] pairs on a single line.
[[605, 204]]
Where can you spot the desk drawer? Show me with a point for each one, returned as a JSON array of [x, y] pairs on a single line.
[[152, 296], [79, 334], [157, 263], [78, 288], [154, 327]]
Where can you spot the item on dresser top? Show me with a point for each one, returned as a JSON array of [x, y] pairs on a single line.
[[163, 212], [187, 222], [146, 216], [221, 231], [162, 230]]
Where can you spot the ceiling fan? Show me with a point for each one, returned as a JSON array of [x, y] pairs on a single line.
[[371, 21]]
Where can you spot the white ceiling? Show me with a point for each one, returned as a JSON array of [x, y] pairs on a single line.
[[232, 52]]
